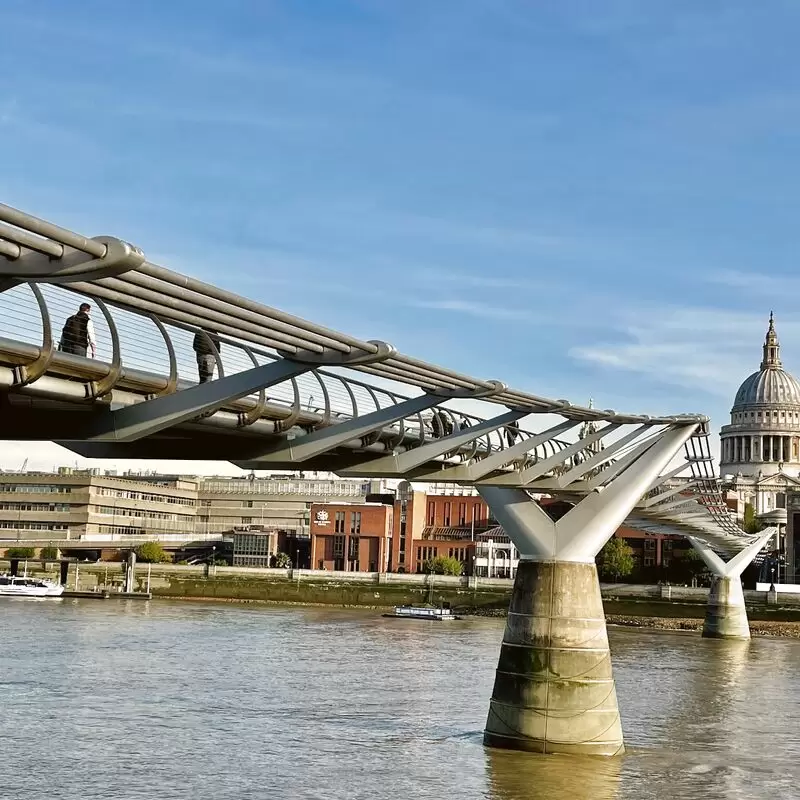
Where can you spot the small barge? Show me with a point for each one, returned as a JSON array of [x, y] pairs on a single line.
[[421, 612]]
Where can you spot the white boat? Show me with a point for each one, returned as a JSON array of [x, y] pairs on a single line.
[[19, 586], [421, 612]]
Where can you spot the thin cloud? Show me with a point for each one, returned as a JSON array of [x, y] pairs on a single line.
[[754, 282], [476, 309], [702, 349]]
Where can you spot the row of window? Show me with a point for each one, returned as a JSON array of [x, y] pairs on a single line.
[[789, 416], [458, 552], [318, 488], [424, 553], [34, 526], [120, 530], [35, 488], [138, 512], [251, 544], [466, 513], [35, 506], [130, 494]]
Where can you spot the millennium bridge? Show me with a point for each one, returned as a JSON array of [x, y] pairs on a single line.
[[186, 370]]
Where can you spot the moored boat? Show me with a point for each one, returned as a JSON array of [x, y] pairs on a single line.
[[422, 612], [20, 586]]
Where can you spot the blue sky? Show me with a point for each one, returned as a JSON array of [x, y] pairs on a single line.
[[575, 202]]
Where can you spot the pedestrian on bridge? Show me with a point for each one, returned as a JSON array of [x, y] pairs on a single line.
[[206, 347], [77, 335]]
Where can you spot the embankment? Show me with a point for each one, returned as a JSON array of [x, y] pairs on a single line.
[[675, 608]]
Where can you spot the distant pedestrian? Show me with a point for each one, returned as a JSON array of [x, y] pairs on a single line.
[[77, 335], [206, 346], [512, 433]]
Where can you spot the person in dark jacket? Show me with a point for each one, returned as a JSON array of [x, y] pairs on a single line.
[[77, 335], [206, 345]]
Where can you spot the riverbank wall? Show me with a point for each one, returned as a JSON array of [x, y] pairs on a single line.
[[466, 595]]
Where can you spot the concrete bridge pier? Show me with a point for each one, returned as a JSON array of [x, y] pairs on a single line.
[[554, 688], [726, 613]]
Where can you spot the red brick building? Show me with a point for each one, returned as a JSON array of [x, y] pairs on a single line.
[[430, 525], [352, 537]]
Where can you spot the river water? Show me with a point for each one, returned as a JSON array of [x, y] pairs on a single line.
[[177, 700]]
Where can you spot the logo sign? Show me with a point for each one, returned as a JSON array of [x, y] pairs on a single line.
[[322, 517]]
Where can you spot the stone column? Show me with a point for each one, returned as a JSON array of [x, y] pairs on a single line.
[[554, 689], [726, 615]]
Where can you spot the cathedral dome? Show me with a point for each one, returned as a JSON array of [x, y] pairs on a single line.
[[771, 385]]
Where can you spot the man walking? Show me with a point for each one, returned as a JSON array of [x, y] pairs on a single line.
[[206, 345], [77, 335]]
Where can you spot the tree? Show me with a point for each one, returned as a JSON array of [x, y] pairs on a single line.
[[751, 524], [49, 553], [282, 561], [20, 552], [694, 563], [616, 559], [443, 565], [151, 553]]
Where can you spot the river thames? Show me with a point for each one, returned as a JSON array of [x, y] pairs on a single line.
[[179, 700]]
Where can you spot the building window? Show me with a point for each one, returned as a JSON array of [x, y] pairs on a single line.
[[353, 548], [355, 522], [247, 503], [431, 512], [649, 560], [338, 523], [446, 514], [649, 544], [247, 520], [462, 513], [338, 547]]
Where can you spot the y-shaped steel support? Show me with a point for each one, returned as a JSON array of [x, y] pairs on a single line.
[[554, 689], [726, 615]]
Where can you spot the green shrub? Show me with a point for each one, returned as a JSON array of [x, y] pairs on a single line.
[[443, 565], [152, 553], [616, 559], [282, 561], [20, 552], [49, 553]]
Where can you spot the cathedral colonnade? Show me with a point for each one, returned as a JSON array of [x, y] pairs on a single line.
[[777, 448]]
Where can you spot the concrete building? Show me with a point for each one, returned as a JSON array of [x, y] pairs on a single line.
[[351, 537], [82, 504], [280, 504]]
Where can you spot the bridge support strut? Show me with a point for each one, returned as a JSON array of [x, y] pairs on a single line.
[[554, 687], [726, 614]]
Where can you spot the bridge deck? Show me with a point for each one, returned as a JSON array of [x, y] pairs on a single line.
[[286, 392]]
